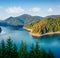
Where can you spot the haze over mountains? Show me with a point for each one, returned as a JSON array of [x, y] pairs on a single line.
[[23, 19], [53, 16]]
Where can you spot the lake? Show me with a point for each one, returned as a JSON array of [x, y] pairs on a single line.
[[47, 42]]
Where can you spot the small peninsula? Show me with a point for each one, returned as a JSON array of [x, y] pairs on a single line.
[[46, 26]]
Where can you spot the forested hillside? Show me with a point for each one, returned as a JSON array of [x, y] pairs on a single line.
[[47, 25], [30, 24]]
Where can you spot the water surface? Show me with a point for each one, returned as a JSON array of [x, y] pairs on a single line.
[[47, 42]]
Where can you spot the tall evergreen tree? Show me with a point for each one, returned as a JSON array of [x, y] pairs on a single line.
[[0, 52], [3, 49], [9, 48], [23, 50], [35, 51], [32, 52], [50, 54], [43, 54], [14, 52]]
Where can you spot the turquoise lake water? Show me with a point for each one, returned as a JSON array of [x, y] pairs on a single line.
[[47, 42]]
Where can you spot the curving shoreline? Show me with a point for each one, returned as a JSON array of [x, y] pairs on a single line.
[[30, 30], [33, 34], [50, 33], [38, 35]]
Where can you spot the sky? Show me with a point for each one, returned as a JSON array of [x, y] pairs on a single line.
[[33, 7]]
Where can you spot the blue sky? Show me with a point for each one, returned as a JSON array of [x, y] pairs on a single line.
[[33, 7]]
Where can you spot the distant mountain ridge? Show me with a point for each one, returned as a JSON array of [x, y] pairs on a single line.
[[14, 21], [20, 20], [52, 16], [23, 19], [28, 18]]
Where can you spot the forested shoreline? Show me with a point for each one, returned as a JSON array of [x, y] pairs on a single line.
[[45, 26]]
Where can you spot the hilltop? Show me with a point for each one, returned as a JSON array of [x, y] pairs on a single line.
[[19, 20]]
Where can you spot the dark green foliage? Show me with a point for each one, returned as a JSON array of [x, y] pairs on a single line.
[[35, 51], [14, 51], [23, 50], [31, 55], [3, 50], [30, 24], [10, 50], [43, 54], [50, 54]]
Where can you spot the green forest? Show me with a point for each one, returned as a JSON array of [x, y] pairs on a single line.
[[9, 49], [30, 24], [45, 25]]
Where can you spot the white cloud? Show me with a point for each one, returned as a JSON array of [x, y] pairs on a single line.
[[50, 10], [14, 10], [35, 9]]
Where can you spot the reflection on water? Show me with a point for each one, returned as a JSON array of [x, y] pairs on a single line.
[[47, 42]]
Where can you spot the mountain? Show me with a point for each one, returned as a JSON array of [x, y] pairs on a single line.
[[20, 20], [28, 18], [53, 16], [14, 21], [31, 24], [24, 19]]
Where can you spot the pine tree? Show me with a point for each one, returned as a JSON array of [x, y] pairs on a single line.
[[43, 54], [9, 48], [35, 51], [0, 52], [32, 52], [14, 52], [3, 49], [50, 54], [23, 50]]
